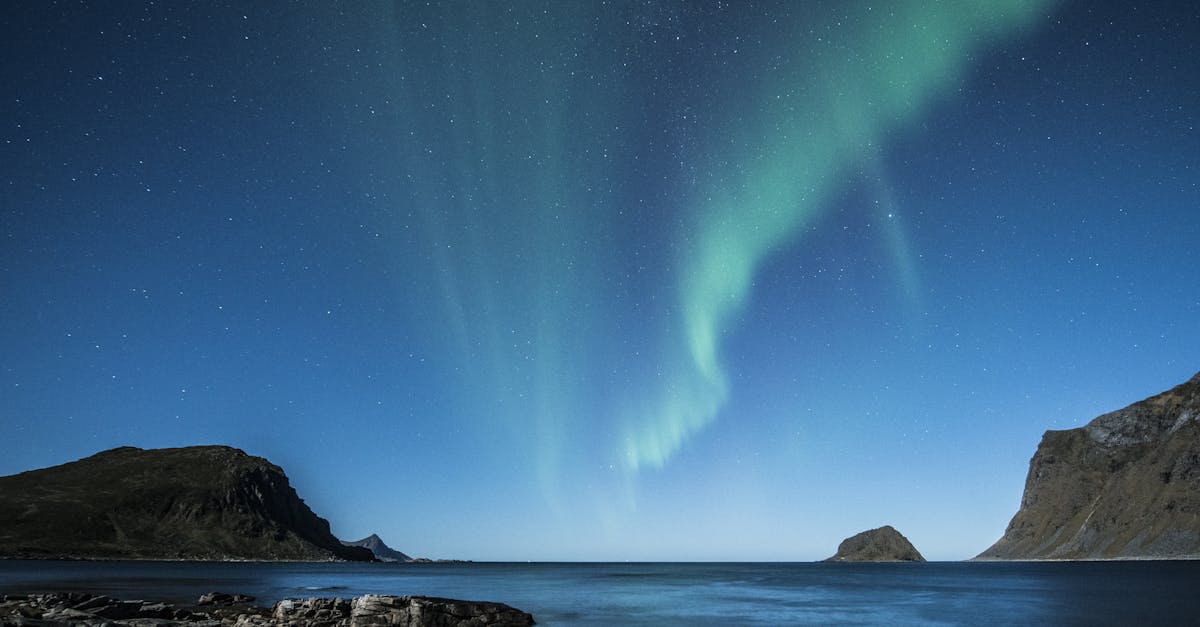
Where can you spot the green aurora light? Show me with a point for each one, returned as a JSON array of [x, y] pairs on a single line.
[[815, 124]]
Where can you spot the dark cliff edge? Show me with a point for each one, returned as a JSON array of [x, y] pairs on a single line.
[[884, 544], [1124, 486], [192, 503]]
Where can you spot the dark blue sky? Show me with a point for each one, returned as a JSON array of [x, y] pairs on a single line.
[[600, 280]]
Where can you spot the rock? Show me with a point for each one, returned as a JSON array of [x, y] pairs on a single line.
[[156, 610], [1126, 485], [884, 544], [221, 598], [69, 616], [197, 503], [433, 612], [94, 603], [119, 609], [415, 611], [412, 611], [85, 609], [313, 612]]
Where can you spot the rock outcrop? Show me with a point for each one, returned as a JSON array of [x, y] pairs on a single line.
[[382, 552], [198, 503], [884, 544], [217, 609], [373, 609], [1126, 485]]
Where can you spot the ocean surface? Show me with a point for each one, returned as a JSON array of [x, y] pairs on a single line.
[[947, 593]]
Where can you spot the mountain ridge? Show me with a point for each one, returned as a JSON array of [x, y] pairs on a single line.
[[1124, 486], [192, 503], [380, 549]]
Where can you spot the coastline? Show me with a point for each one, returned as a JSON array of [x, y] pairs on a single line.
[[219, 609], [1137, 558], [676, 594], [445, 562], [232, 560]]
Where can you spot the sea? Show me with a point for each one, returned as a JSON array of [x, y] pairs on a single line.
[[939, 593]]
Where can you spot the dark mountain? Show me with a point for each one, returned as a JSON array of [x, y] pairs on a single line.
[[383, 552], [884, 544], [1126, 485], [199, 502]]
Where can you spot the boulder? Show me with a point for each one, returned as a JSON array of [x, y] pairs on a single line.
[[416, 611], [221, 598]]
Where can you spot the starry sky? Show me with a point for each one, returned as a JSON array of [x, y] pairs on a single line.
[[600, 280]]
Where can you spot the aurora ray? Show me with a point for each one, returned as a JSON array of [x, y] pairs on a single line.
[[814, 124]]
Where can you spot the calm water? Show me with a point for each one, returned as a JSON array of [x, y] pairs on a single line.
[[688, 594]]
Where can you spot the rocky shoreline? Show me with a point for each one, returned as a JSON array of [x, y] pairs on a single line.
[[219, 609]]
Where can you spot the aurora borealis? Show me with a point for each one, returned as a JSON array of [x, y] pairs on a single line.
[[818, 118], [617, 281]]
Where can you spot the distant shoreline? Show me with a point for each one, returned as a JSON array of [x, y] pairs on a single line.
[[1141, 558], [72, 558], [423, 562]]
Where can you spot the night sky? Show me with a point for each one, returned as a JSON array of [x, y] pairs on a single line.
[[600, 281]]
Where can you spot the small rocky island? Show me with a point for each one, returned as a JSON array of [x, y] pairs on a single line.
[[218, 609], [884, 544], [380, 549], [1124, 486], [192, 503]]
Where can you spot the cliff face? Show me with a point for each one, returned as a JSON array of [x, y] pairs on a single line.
[[884, 544], [1126, 485], [201, 502]]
